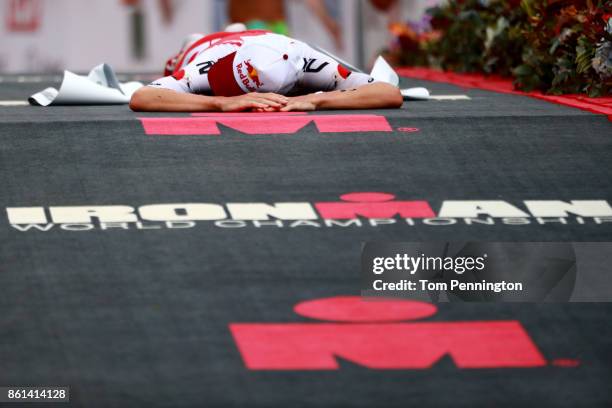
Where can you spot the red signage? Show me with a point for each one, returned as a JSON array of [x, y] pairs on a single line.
[[23, 15], [372, 334], [263, 123], [373, 205]]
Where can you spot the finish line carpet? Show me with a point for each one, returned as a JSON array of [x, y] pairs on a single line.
[[130, 316]]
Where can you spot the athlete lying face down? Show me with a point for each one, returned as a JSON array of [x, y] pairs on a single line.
[[259, 71]]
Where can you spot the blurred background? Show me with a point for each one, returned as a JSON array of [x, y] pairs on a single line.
[[41, 36], [555, 46]]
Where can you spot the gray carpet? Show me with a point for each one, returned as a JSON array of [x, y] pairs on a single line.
[[140, 317]]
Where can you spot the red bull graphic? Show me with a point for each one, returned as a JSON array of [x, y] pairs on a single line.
[[374, 334], [252, 73], [244, 77]]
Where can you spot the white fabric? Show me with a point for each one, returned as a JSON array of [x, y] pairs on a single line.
[[383, 72], [417, 94], [260, 64], [100, 87], [308, 70]]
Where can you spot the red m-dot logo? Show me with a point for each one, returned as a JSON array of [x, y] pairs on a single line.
[[263, 123], [374, 334]]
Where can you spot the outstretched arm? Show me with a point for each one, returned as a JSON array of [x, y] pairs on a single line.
[[377, 95], [151, 99]]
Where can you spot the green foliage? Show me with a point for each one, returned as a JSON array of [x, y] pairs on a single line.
[[555, 46]]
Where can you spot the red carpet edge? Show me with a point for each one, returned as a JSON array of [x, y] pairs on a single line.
[[493, 83]]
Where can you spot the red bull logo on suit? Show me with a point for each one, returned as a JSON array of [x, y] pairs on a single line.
[[243, 74], [253, 75]]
